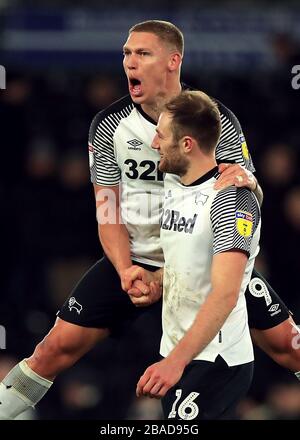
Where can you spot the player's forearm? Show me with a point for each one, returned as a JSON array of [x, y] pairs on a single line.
[[114, 239], [207, 324]]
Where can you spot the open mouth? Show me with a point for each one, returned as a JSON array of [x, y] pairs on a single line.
[[134, 82], [135, 87]]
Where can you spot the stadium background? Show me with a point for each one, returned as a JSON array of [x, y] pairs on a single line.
[[63, 64]]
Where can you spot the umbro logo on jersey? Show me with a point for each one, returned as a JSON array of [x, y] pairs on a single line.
[[135, 143], [274, 309]]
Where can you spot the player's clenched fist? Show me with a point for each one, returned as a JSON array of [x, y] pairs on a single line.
[[159, 378], [149, 283]]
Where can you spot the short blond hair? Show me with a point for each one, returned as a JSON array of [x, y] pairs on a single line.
[[164, 30]]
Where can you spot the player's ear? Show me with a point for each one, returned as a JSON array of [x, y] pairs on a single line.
[[174, 61], [187, 144]]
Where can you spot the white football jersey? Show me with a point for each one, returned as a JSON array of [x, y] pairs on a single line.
[[198, 222], [120, 154]]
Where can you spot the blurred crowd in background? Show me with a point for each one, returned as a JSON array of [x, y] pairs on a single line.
[[49, 230]]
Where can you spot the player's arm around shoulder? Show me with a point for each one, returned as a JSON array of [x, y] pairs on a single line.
[[238, 175], [233, 148]]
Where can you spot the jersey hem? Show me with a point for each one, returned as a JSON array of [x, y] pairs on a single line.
[[212, 358], [147, 261], [106, 184]]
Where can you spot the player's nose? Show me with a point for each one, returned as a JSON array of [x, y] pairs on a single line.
[[155, 143], [131, 62]]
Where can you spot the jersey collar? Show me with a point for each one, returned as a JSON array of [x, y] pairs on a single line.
[[212, 173], [144, 114]]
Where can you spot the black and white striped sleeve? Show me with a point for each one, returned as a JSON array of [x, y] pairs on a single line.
[[235, 216], [232, 146], [103, 165]]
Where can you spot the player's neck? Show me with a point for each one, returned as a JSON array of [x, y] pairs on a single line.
[[197, 169], [155, 108]]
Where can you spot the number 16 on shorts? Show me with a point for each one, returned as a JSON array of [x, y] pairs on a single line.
[[188, 409]]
